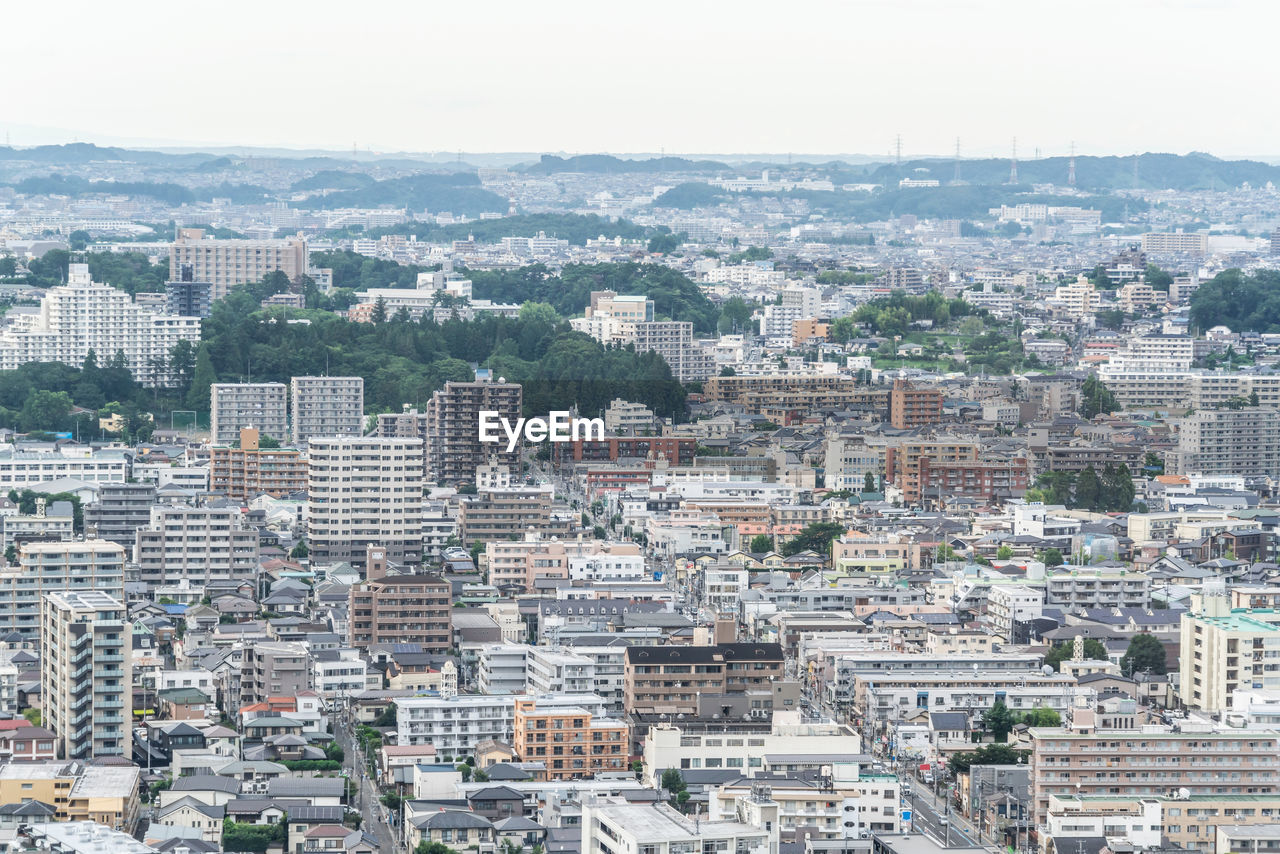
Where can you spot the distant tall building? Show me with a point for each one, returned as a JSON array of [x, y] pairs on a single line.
[[408, 608], [361, 491], [74, 565], [185, 296], [250, 470], [83, 316], [1192, 243], [327, 406], [239, 405], [454, 448], [120, 510], [86, 677], [1242, 441], [227, 263], [195, 545], [911, 407]]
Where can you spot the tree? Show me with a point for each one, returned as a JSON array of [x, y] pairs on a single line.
[[1117, 489], [425, 847], [815, 537], [735, 314], [299, 550], [379, 314], [1004, 553], [1041, 716], [78, 240], [45, 410], [998, 721], [1063, 651], [1144, 655], [1096, 398], [990, 754], [664, 243], [761, 543], [1051, 557], [1088, 490], [268, 442], [869, 482], [202, 377]]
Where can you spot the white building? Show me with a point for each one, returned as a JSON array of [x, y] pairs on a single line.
[[24, 469], [326, 406], [620, 828], [363, 490], [83, 316], [1007, 605], [455, 726], [797, 304], [235, 406]]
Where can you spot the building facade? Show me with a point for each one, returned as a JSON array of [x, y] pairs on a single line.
[[235, 406], [227, 263], [362, 491], [326, 406]]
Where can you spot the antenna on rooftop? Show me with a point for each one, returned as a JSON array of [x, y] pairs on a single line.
[[1071, 166], [956, 176], [897, 158], [1013, 163]]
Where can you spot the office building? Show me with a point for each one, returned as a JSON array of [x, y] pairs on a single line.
[[121, 509], [570, 741], [454, 449], [196, 545], [86, 676], [73, 566], [83, 317], [364, 491], [227, 263], [185, 296], [234, 406], [326, 406], [250, 470], [1224, 649]]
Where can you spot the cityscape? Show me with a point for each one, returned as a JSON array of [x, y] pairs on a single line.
[[566, 466]]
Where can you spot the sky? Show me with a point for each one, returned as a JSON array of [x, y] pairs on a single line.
[[1114, 77]]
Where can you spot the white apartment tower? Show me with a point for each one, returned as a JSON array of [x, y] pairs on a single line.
[[83, 315], [86, 683], [326, 406], [364, 490], [235, 406]]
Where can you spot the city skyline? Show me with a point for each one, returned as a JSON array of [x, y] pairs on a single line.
[[677, 79]]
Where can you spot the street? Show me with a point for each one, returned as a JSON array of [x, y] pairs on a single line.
[[373, 813], [927, 815]]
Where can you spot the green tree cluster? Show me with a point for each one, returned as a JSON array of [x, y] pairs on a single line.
[[990, 754], [1096, 399], [1061, 652], [817, 537], [1145, 654], [243, 836]]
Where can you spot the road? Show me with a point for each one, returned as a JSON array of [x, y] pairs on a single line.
[[373, 813], [927, 815]]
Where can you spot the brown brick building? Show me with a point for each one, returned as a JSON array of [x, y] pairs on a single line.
[[570, 741], [412, 608], [250, 470], [911, 407], [668, 679]]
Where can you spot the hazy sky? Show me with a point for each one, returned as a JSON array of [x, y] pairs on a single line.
[[1117, 76]]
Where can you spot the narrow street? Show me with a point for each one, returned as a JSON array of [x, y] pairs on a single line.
[[372, 812]]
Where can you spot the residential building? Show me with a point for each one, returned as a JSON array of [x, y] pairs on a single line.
[[106, 795], [412, 608], [1242, 441], [495, 514], [1224, 649], [1192, 243], [573, 743], [1083, 761], [121, 509], [274, 669], [364, 490], [456, 725], [517, 564], [669, 679], [454, 449], [911, 407], [660, 829], [234, 406], [83, 317], [1078, 300], [187, 297], [199, 544], [86, 676], [777, 320], [326, 406], [24, 469], [227, 263], [73, 566], [246, 470]]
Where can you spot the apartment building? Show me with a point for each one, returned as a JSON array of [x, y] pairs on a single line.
[[250, 470], [1192, 243], [660, 829], [848, 461], [867, 803], [457, 724], [120, 510], [198, 544], [227, 263], [86, 676], [235, 406], [326, 406], [23, 469], [1156, 760], [676, 450], [412, 608], [1097, 587], [795, 303], [1230, 441], [1078, 300], [517, 564], [76, 566], [188, 297], [903, 463], [991, 482], [1009, 606], [83, 317], [782, 743], [572, 742], [854, 552], [274, 669], [454, 449], [362, 491], [673, 341], [668, 680], [1224, 649], [495, 514], [106, 795], [911, 407]]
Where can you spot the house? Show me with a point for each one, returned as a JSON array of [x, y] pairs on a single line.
[[204, 788], [949, 731], [519, 831], [303, 818], [26, 812], [317, 791], [188, 812], [186, 704], [496, 802], [167, 738], [27, 743], [490, 751], [458, 829], [333, 838]]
